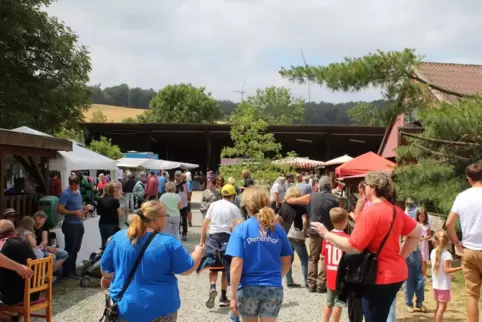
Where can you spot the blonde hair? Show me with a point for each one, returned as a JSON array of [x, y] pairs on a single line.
[[381, 182], [150, 210], [338, 215], [441, 239], [170, 186], [256, 200], [293, 192], [26, 223], [109, 190], [231, 181]]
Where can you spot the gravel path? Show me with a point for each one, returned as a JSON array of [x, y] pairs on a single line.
[[72, 303]]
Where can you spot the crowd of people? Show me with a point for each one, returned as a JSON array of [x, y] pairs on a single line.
[[248, 240]]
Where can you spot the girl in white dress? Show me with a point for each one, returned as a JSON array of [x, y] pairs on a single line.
[[422, 219]]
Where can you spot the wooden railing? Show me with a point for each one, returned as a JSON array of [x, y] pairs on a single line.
[[23, 204]]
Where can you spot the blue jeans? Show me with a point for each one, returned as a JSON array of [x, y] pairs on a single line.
[[377, 301], [392, 314], [300, 248], [233, 318], [73, 233], [107, 231], [415, 283]]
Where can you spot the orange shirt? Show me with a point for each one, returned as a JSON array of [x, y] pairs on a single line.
[[370, 229]]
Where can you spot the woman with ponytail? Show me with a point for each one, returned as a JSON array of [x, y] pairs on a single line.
[[261, 256], [155, 278]]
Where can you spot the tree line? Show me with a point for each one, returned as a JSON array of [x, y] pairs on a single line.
[[314, 112]]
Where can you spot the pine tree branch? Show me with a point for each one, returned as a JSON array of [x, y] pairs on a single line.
[[438, 88], [439, 154], [459, 143]]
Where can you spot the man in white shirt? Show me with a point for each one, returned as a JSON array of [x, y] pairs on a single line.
[[277, 193], [220, 218], [468, 207]]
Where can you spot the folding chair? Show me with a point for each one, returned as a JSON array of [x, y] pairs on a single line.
[[41, 281]]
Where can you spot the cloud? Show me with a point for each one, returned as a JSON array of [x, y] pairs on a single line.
[[220, 44]]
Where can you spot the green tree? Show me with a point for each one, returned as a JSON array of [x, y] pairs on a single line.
[[44, 70], [276, 105], [392, 72], [129, 120], [71, 134], [98, 117], [105, 147], [253, 144], [431, 167], [183, 103]]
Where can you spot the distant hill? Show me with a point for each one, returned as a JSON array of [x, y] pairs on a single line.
[[113, 113], [110, 99]]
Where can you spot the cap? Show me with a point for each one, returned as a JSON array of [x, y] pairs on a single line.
[[9, 211], [298, 175], [228, 190], [177, 173], [40, 213]]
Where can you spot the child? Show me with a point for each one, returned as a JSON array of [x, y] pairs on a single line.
[[422, 219], [441, 269], [332, 255], [25, 232]]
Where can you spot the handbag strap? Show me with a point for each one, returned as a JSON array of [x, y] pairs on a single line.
[[388, 233], [136, 265]]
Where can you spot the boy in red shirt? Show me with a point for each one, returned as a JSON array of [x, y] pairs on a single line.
[[332, 255]]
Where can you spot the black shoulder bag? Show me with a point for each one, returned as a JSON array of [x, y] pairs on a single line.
[[111, 311], [361, 269]]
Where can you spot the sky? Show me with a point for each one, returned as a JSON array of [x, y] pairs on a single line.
[[221, 44]]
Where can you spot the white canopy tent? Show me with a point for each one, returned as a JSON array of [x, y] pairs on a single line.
[[337, 161], [153, 164], [299, 162], [79, 158]]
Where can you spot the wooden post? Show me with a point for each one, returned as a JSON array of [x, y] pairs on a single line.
[[209, 151], [2, 183]]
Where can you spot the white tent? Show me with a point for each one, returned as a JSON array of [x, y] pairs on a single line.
[[299, 162], [152, 164], [79, 158], [340, 160]]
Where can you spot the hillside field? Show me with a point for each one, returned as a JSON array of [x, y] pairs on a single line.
[[113, 113]]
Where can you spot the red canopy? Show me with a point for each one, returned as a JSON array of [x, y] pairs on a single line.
[[364, 163]]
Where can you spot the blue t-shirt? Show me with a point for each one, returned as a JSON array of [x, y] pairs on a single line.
[[161, 184], [261, 255], [71, 201], [153, 291]]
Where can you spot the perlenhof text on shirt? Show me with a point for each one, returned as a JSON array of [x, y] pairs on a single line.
[[263, 239]]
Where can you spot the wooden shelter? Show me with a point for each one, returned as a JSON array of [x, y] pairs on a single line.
[[32, 152]]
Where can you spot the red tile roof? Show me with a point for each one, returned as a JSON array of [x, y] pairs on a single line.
[[459, 78]]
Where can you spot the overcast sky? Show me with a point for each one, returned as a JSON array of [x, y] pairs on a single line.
[[220, 44]]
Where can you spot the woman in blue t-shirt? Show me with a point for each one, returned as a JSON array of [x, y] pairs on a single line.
[[155, 278], [261, 256]]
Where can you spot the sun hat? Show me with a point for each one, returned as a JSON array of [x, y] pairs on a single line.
[[9, 211], [228, 190]]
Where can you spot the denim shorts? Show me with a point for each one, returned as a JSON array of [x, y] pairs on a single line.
[[332, 300], [59, 255], [254, 301]]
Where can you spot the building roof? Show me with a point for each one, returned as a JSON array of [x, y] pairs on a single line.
[[9, 138], [459, 78]]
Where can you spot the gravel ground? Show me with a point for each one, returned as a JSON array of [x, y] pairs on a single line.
[[72, 303]]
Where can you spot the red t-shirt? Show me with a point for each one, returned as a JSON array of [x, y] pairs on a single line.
[[332, 257], [370, 229]]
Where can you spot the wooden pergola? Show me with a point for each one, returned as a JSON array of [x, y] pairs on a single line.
[[33, 153]]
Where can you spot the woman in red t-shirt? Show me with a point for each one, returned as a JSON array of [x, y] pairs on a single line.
[[371, 227]]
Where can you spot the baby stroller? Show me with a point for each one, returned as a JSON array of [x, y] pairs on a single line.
[[91, 270]]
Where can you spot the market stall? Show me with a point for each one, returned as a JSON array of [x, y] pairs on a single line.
[[300, 163], [80, 158]]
